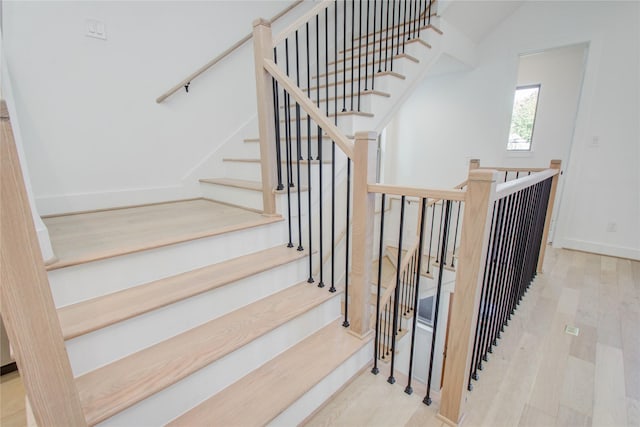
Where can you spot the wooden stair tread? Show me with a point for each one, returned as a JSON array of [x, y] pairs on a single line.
[[247, 160], [79, 238], [422, 28], [354, 58], [359, 78], [377, 61], [303, 116], [362, 47], [119, 385], [266, 392], [237, 183], [242, 183], [91, 315]]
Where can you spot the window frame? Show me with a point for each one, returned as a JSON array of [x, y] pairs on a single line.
[[535, 115]]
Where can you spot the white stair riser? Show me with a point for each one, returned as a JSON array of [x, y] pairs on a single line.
[[236, 196], [383, 83], [251, 170], [187, 393], [106, 345], [85, 281], [398, 66], [326, 146], [321, 392]]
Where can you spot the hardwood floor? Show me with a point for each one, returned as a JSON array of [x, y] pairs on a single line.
[[90, 236], [12, 413], [537, 376]]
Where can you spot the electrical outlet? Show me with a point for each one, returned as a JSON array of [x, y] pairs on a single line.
[[612, 227], [95, 29]]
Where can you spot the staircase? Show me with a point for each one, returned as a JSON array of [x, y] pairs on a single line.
[[227, 329]]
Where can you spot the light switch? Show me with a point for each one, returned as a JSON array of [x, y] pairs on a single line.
[[95, 29]]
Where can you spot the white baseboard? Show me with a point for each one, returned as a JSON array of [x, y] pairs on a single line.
[[79, 202], [598, 248]]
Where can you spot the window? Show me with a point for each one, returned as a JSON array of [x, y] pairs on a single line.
[[425, 310], [523, 117]]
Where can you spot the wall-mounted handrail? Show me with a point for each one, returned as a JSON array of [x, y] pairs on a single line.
[[185, 82]]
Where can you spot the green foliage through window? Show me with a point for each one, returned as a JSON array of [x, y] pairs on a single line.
[[523, 117]]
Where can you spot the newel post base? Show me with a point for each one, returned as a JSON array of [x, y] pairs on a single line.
[[364, 173]]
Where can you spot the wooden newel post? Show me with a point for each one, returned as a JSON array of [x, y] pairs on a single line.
[[26, 302], [263, 49], [364, 173], [464, 310], [555, 164]]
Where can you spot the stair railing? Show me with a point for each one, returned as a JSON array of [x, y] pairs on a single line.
[[503, 240], [288, 100], [401, 296]]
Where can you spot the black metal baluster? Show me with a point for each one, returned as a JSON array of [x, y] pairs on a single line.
[[373, 47], [396, 292], [455, 237], [410, 21], [477, 350], [416, 294], [344, 54], [433, 215], [440, 262], [366, 56], [320, 202], [298, 147], [333, 152], [359, 51], [276, 105], [490, 290], [427, 398], [353, 52], [393, 26], [401, 25], [376, 340], [309, 158], [386, 42], [404, 26], [429, 12], [346, 262], [495, 324], [493, 286], [287, 127]]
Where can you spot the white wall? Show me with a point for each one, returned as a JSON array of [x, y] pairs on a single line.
[[454, 117], [93, 135]]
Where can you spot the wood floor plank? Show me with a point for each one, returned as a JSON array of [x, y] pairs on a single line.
[[113, 388], [567, 417], [263, 394], [584, 345], [533, 417], [92, 236], [578, 387], [88, 316], [609, 407]]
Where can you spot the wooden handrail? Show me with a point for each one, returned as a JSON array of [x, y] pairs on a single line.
[[310, 108], [220, 57], [301, 21], [391, 283], [431, 193], [507, 169], [507, 188]]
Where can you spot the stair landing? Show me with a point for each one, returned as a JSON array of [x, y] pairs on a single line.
[[84, 237]]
